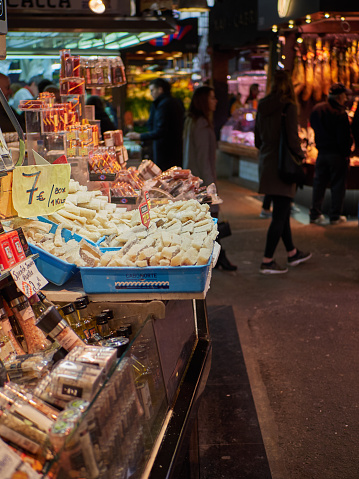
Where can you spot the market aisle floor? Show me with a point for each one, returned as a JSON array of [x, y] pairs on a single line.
[[299, 334]]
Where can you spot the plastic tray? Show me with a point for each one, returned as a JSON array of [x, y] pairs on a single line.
[[181, 279], [55, 270]]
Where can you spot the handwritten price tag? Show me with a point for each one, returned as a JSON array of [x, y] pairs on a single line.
[[27, 277], [145, 214], [40, 189]]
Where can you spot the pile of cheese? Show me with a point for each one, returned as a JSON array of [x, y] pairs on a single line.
[[87, 213], [179, 234]]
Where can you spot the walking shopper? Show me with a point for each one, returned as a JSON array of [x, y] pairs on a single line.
[[266, 212], [199, 147], [165, 126], [333, 141], [267, 137]]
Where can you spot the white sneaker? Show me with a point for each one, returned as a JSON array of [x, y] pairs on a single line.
[[340, 220], [264, 214], [321, 221]]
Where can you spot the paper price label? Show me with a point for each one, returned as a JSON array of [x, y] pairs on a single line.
[[145, 214], [27, 277], [147, 198], [40, 189]]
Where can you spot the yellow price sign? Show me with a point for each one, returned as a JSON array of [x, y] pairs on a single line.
[[40, 189]]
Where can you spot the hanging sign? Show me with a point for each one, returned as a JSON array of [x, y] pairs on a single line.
[[27, 277], [40, 189]]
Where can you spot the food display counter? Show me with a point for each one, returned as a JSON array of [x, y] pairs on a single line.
[[238, 160]]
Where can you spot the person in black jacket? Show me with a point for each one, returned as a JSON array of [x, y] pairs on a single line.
[[333, 140], [5, 122], [165, 126]]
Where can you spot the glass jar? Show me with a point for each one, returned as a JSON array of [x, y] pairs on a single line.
[[24, 314]]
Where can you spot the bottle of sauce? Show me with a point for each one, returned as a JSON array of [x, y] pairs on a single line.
[[87, 322], [69, 313]]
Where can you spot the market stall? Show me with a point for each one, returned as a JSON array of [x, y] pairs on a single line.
[[320, 47], [104, 342]]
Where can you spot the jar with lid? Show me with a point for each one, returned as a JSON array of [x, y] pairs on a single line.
[[8, 344], [11, 326], [69, 313], [54, 326], [24, 314], [102, 326]]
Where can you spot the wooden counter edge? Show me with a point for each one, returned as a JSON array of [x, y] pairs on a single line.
[[238, 149]]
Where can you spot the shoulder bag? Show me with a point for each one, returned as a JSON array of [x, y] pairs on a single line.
[[290, 168]]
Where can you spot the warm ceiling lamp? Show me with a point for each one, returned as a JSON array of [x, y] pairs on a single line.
[[97, 6], [193, 6]]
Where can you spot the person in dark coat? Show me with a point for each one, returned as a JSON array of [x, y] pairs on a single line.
[[5, 122], [333, 140], [267, 138], [199, 149], [165, 126]]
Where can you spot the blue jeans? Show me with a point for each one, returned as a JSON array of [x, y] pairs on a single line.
[[330, 170]]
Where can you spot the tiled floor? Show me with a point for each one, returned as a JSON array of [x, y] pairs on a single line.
[[231, 445]]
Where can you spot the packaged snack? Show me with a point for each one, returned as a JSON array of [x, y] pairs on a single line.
[[100, 357]]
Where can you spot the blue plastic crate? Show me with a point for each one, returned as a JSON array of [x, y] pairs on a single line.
[[54, 269], [164, 279]]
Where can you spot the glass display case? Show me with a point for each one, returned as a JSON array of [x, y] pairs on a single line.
[[139, 423], [116, 434]]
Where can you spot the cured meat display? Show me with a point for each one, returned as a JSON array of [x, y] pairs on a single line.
[[298, 75], [309, 74], [321, 61], [318, 72]]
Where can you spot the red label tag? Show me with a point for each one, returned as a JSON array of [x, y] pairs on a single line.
[[145, 214]]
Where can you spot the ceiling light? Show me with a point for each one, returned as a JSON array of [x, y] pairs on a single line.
[[291, 24], [159, 52], [97, 6], [342, 19], [308, 19], [300, 40], [145, 36], [274, 28], [326, 15], [193, 6]]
